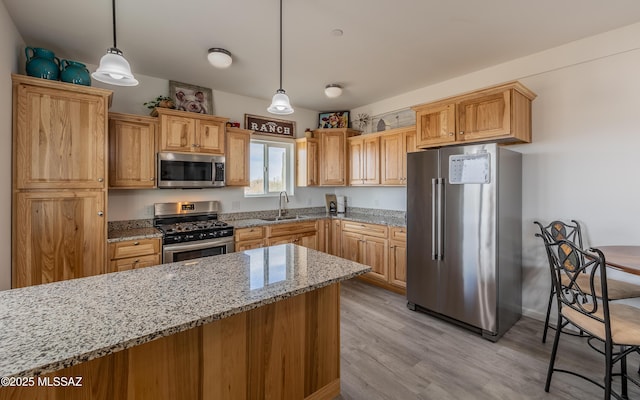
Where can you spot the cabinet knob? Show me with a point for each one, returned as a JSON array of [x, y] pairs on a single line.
[[450, 133], [136, 261], [136, 243], [100, 180], [461, 133], [152, 178], [100, 213]]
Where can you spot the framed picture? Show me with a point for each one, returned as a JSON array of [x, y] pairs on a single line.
[[270, 126], [191, 98], [336, 119]]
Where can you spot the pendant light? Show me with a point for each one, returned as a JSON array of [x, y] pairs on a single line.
[[280, 104], [114, 68]]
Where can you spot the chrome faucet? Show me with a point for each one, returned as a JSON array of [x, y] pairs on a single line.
[[281, 209]]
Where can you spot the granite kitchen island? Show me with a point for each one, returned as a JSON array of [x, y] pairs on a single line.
[[254, 324]]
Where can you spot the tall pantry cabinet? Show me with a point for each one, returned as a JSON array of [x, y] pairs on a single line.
[[59, 222]]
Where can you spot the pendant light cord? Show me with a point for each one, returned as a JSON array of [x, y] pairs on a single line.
[[113, 2], [280, 44]]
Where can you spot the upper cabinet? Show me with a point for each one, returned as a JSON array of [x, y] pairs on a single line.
[[333, 160], [394, 146], [183, 131], [307, 152], [364, 159], [500, 113], [59, 134], [237, 158], [132, 151]]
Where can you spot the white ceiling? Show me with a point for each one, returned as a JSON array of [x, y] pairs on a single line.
[[388, 47]]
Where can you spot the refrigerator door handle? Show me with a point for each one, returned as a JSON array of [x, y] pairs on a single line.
[[434, 205], [440, 217]]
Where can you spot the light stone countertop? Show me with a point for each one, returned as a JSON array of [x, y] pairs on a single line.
[[48, 327], [357, 217], [121, 235]]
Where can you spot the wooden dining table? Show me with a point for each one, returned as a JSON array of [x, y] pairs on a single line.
[[624, 258]]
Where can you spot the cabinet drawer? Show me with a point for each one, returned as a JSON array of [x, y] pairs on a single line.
[[133, 248], [290, 229], [398, 233], [126, 264], [365, 229], [249, 244], [253, 233]]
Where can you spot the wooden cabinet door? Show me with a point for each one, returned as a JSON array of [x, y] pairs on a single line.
[[309, 240], [60, 137], [177, 133], [371, 165], [398, 264], [307, 151], [351, 244], [132, 151], [333, 158], [60, 235], [376, 256], [485, 117], [126, 264], [335, 239], [209, 137], [324, 235], [391, 159], [409, 145], [237, 157], [356, 162], [436, 125], [273, 241], [249, 244]]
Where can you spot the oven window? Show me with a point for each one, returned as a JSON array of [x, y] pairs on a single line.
[[185, 171], [190, 255]]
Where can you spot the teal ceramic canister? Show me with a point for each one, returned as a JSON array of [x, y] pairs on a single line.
[[42, 63], [74, 72]]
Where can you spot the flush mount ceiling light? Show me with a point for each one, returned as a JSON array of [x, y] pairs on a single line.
[[280, 104], [333, 90], [219, 58], [114, 69]]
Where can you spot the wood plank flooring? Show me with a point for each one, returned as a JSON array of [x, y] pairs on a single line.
[[390, 352]]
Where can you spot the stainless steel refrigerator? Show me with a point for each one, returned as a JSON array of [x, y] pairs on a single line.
[[464, 236]]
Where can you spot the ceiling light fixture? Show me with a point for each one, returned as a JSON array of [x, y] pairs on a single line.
[[219, 58], [333, 90], [114, 69], [280, 104]]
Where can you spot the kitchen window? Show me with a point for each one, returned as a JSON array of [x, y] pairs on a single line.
[[270, 168]]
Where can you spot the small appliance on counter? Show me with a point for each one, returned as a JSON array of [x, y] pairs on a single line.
[[332, 203], [341, 204]]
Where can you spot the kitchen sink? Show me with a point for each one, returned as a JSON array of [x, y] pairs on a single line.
[[283, 218]]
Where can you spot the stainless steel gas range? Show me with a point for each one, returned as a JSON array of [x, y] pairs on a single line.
[[192, 230]]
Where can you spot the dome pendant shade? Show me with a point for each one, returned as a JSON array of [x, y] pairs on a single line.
[[280, 104], [114, 69]]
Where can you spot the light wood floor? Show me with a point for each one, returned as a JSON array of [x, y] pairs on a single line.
[[390, 352]]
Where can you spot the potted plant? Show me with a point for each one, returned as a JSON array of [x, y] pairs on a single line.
[[160, 101]]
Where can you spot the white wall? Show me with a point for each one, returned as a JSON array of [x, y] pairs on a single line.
[[585, 154], [11, 47]]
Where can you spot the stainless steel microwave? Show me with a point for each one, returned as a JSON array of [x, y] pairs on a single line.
[[180, 170]]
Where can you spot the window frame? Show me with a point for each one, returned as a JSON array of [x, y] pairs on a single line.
[[289, 146]]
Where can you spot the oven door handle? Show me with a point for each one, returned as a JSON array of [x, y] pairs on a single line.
[[195, 246]]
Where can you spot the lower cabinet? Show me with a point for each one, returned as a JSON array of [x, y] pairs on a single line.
[[398, 257], [300, 233], [132, 254], [367, 244], [249, 238], [58, 236]]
